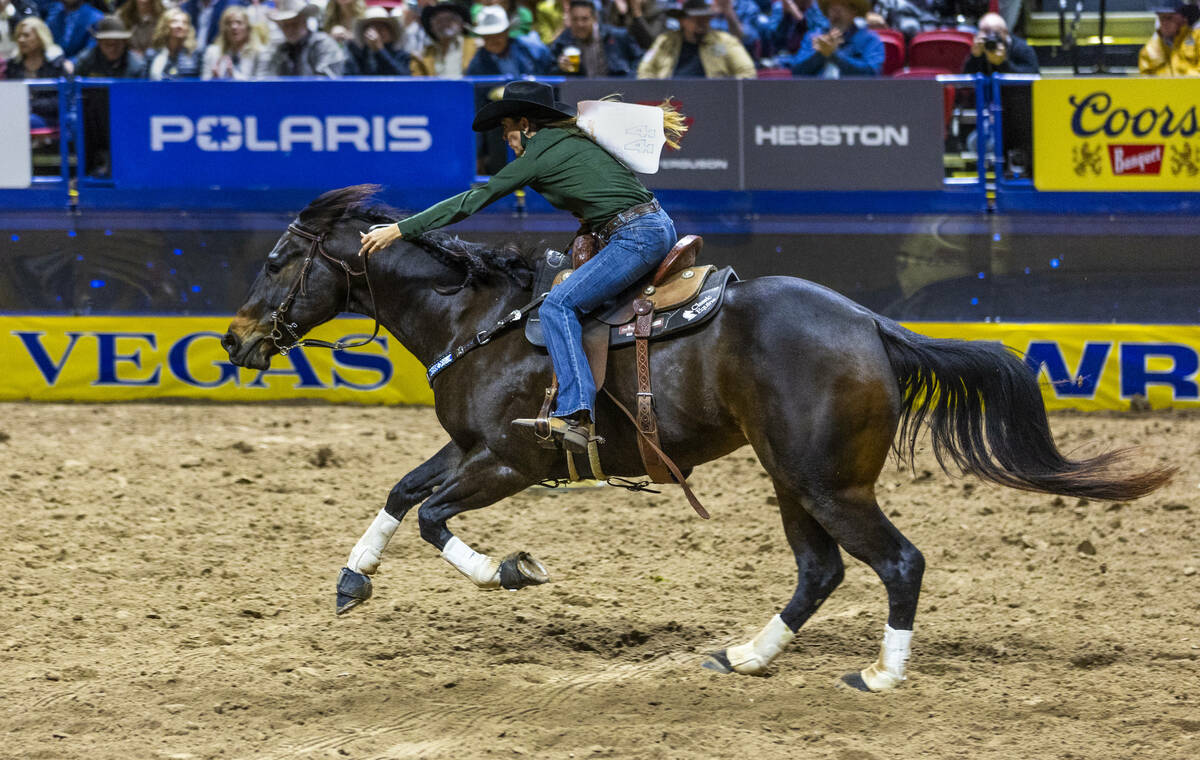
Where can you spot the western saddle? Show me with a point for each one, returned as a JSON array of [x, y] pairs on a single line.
[[676, 282]]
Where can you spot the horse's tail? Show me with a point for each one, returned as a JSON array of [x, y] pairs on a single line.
[[986, 415]]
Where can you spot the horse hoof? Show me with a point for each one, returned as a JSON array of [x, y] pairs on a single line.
[[855, 681], [520, 570], [719, 662], [352, 590]]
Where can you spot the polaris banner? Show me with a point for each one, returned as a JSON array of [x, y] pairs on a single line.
[[860, 134], [708, 158], [289, 133]]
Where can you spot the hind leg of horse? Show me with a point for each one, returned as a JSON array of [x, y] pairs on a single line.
[[819, 571], [852, 516], [354, 583], [479, 480]]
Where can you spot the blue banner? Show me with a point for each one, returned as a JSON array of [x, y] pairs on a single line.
[[292, 133]]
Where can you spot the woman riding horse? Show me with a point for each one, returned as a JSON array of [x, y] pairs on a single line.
[[573, 173]]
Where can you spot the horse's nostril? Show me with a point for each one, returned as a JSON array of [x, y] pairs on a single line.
[[230, 342]]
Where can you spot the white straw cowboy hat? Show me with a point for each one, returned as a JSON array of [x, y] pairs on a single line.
[[491, 19], [286, 10], [110, 28], [378, 15]]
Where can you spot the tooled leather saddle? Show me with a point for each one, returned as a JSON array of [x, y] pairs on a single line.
[[676, 297]]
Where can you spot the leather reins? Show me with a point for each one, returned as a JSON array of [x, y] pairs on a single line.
[[279, 321]]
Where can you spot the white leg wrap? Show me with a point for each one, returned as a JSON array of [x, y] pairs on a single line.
[[888, 670], [754, 656], [480, 568], [364, 557]]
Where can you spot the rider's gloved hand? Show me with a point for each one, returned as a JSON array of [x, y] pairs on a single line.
[[378, 237]]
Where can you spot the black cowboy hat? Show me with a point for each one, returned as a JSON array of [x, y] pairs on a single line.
[[522, 98], [428, 12]]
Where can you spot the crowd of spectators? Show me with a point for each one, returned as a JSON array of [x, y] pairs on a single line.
[[249, 39]]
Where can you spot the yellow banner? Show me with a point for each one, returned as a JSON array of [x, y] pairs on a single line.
[[1116, 134], [127, 358], [1080, 366]]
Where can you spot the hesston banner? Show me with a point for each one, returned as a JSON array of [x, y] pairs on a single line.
[[1079, 366], [1117, 134]]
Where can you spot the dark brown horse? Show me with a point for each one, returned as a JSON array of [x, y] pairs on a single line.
[[819, 386]]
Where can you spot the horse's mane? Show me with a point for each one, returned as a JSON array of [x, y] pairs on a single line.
[[477, 262]]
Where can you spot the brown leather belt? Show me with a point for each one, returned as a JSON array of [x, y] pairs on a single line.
[[627, 216]]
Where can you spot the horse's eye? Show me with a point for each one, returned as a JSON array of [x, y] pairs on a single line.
[[273, 265]]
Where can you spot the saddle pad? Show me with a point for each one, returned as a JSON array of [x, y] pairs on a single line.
[[682, 316]]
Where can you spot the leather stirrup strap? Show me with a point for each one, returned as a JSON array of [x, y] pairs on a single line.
[[541, 425], [687, 490], [647, 422]]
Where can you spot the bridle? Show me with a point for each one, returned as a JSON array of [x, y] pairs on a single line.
[[279, 321]]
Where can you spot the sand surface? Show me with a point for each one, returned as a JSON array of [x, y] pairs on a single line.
[[168, 576]]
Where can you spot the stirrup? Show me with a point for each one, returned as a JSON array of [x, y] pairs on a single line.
[[551, 432]]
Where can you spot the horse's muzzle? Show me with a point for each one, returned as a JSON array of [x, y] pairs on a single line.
[[244, 353]]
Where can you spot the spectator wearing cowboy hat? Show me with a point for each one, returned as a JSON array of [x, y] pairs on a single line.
[[575, 174], [501, 54], [376, 49], [847, 49], [112, 57], [301, 52], [451, 51], [603, 50], [1174, 50], [696, 50]]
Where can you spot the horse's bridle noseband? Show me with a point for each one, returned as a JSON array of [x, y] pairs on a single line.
[[279, 321]]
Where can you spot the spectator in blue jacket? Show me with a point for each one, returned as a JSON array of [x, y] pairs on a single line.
[[206, 17], [848, 49], [503, 55], [69, 22], [604, 51], [790, 21]]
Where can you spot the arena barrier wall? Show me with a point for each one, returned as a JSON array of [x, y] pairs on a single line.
[[1080, 366]]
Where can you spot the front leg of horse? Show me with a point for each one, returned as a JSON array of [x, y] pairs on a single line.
[[354, 582], [482, 481]]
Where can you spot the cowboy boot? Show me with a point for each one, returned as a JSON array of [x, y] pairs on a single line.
[[571, 433]]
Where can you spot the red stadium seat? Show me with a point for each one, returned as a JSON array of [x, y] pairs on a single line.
[[895, 34], [893, 55], [945, 49], [774, 73]]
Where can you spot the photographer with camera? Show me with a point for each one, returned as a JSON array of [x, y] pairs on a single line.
[[995, 51]]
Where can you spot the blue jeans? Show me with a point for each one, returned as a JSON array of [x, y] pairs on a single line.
[[633, 250]]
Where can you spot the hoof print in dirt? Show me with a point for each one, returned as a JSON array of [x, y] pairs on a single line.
[[352, 590], [719, 662]]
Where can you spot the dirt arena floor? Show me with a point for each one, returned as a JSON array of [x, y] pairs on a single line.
[[168, 576]]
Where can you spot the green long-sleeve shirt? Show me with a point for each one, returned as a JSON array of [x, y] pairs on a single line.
[[566, 168]]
